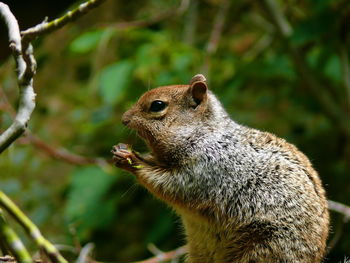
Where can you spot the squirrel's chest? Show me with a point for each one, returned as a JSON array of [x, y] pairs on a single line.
[[206, 241]]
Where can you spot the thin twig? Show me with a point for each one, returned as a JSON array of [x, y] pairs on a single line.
[[216, 33], [63, 154], [25, 67], [218, 27], [166, 256], [154, 249], [85, 253], [32, 230], [47, 27], [278, 17], [191, 24], [340, 208]]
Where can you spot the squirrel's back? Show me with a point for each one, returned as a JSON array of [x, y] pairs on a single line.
[[256, 198]]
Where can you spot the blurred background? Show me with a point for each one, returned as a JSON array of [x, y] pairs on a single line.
[[279, 66]]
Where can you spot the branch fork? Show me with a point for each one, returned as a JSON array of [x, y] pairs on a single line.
[[22, 51], [25, 68]]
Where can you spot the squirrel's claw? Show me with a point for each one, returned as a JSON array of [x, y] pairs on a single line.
[[124, 157]]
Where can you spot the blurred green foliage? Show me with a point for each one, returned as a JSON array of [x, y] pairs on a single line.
[[91, 71]]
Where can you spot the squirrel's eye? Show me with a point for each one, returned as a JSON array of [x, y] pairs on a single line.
[[157, 106]]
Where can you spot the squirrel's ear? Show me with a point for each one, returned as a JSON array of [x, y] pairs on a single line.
[[198, 77], [198, 88]]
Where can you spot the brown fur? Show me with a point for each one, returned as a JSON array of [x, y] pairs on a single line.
[[244, 196]]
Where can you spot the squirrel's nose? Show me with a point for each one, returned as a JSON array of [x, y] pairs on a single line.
[[125, 122]]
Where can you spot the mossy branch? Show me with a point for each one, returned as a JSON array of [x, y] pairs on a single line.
[[14, 243], [32, 230], [47, 27]]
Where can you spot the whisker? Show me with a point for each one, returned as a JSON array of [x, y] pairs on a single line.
[[131, 188]]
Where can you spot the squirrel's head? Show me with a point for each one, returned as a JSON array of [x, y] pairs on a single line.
[[167, 115]]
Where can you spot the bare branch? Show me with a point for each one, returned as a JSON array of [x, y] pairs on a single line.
[[63, 154], [190, 27], [218, 27], [279, 19], [166, 256], [47, 27], [84, 255], [340, 208], [25, 67], [216, 33]]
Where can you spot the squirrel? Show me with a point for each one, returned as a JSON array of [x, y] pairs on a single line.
[[244, 196]]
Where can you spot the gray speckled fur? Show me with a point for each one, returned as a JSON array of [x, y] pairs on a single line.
[[244, 196]]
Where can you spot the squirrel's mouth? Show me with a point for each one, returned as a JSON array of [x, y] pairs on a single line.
[[145, 136], [142, 134]]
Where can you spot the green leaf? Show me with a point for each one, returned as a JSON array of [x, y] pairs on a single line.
[[86, 42], [88, 206], [114, 80], [315, 26]]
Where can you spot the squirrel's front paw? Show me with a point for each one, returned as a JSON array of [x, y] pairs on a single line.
[[124, 157]]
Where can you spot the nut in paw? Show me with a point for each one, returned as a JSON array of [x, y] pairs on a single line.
[[124, 157]]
